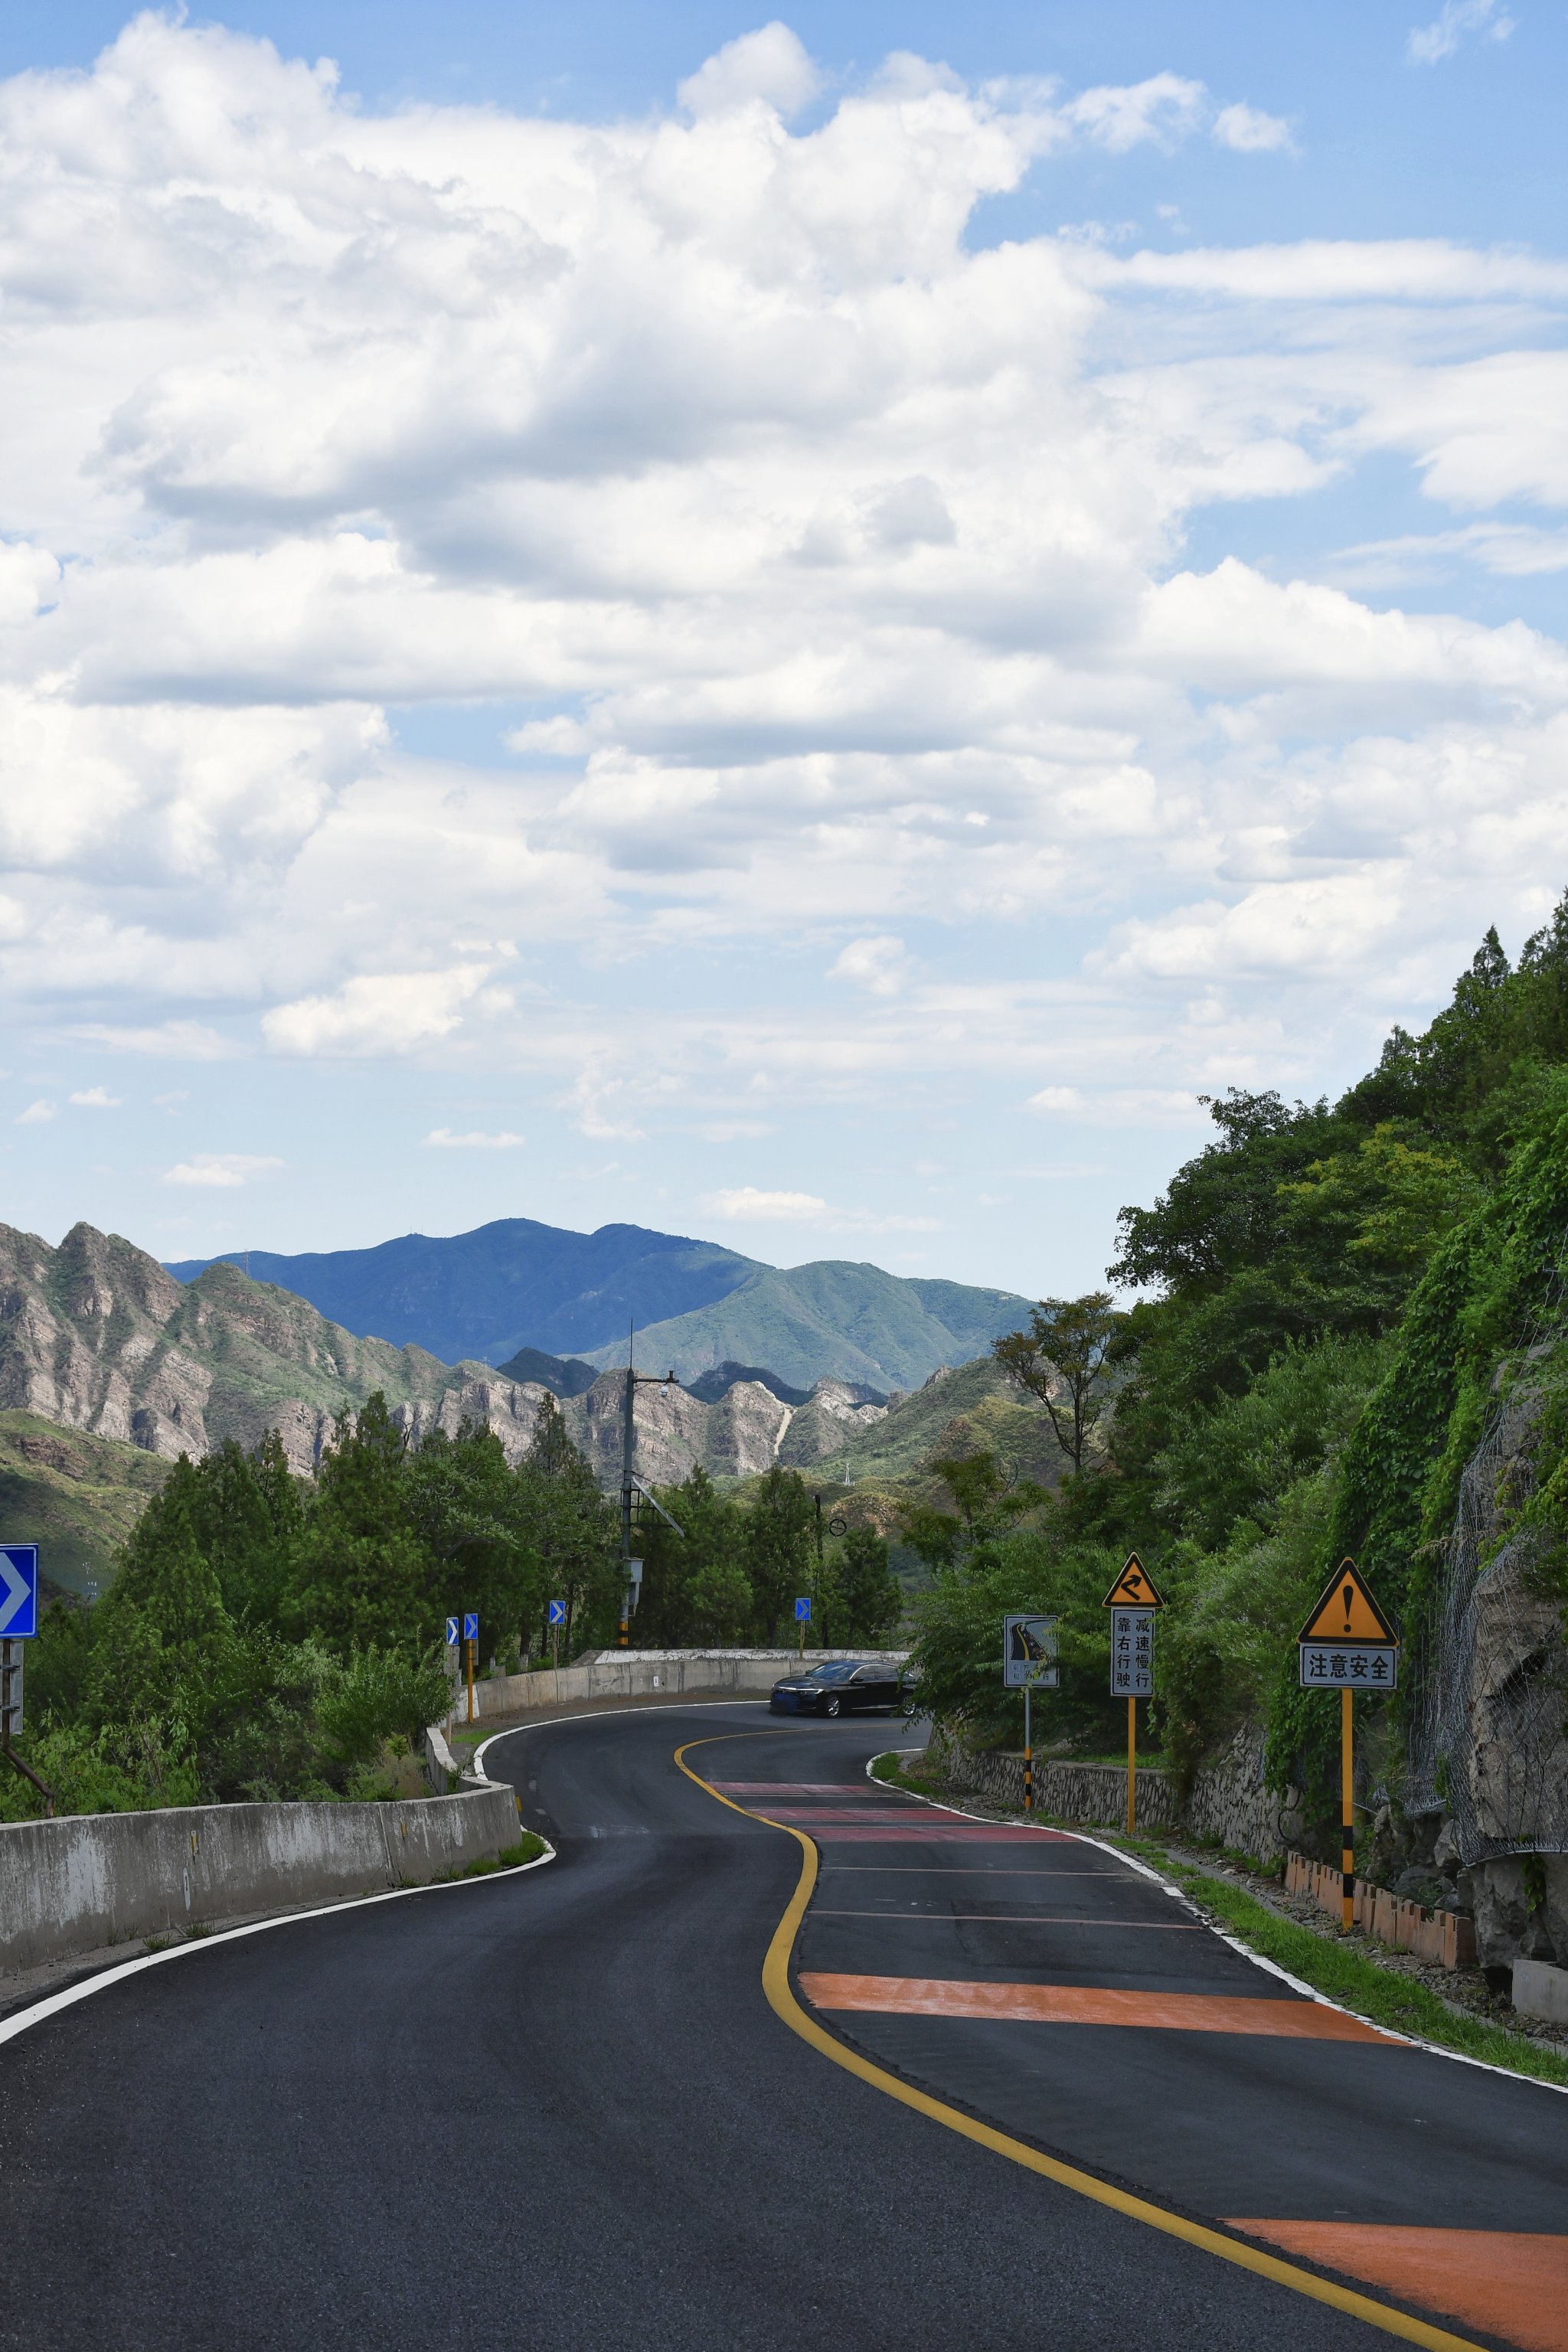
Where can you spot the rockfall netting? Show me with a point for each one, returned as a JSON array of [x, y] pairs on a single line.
[[1488, 1680]]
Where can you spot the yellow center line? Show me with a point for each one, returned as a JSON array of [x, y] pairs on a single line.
[[783, 2001]]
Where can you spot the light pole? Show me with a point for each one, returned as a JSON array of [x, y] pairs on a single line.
[[631, 1488]]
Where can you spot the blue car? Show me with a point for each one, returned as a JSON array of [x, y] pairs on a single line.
[[843, 1686]]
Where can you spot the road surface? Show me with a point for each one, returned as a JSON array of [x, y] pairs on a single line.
[[558, 2110]]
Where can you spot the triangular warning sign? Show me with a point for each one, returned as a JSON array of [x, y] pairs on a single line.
[[1347, 1612], [1133, 1589]]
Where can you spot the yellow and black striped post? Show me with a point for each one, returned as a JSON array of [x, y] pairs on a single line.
[[1347, 1807], [1029, 1756]]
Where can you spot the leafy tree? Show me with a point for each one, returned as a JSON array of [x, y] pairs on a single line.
[[984, 1500], [695, 1589], [1063, 1361], [571, 1530], [777, 1545], [361, 1575], [868, 1598]]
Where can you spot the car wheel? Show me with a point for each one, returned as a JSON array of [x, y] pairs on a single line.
[[907, 1704], [835, 1706]]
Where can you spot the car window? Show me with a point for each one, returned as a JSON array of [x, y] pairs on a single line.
[[872, 1674], [838, 1673]]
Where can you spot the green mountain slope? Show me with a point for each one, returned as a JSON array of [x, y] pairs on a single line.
[[830, 1319], [973, 1408], [75, 1496]]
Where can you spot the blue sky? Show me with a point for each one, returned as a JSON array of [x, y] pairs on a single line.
[[797, 630]]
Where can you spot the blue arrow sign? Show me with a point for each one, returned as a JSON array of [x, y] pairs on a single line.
[[558, 1612], [803, 1609], [451, 1633], [471, 1625], [19, 1591]]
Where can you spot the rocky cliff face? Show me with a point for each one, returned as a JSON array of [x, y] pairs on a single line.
[[95, 1336]]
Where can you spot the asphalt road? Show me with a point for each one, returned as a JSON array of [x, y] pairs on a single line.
[[556, 2111]]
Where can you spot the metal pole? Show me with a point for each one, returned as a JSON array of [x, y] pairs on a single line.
[[1132, 1766], [471, 1646], [1028, 1755], [627, 1443], [816, 1590], [1347, 1807]]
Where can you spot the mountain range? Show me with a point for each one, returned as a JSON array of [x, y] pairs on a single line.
[[98, 1341], [513, 1292]]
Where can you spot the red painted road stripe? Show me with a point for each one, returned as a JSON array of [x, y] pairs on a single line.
[[796, 1788], [1027, 2004], [936, 1830], [1508, 2283]]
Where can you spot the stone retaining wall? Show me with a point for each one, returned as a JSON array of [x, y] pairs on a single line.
[[1228, 1799]]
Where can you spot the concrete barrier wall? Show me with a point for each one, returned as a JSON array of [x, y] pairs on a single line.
[[73, 1885], [640, 1674]]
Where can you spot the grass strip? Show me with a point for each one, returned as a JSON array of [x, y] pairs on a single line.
[[1383, 1996]]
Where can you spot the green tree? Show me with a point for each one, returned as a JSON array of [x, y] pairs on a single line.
[[868, 1599], [361, 1574], [571, 1530], [695, 1589], [1063, 1360], [778, 1546]]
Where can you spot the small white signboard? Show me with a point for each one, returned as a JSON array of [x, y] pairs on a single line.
[[1132, 1653], [1029, 1654]]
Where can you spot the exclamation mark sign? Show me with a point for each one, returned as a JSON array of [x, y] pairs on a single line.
[[1349, 1596]]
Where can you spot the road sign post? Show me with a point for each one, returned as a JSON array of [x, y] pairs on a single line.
[[1132, 1600], [1348, 1645], [470, 1642], [557, 1619], [803, 1619], [1028, 1664], [18, 1623]]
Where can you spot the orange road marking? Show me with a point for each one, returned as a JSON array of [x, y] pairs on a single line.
[[1199, 2012], [1507, 2282]]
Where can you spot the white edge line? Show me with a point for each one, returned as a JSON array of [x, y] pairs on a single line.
[[52, 2003], [1132, 1861], [476, 1761]]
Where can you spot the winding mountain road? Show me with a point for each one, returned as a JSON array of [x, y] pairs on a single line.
[[1008, 2094]]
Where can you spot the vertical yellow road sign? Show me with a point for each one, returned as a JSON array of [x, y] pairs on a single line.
[[1348, 1645], [1133, 1600]]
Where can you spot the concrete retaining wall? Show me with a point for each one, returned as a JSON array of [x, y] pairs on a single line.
[[640, 1674], [73, 1885]]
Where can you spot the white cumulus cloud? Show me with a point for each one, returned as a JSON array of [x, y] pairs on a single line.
[[747, 1205], [444, 1139], [97, 1098], [1428, 45], [38, 1114], [219, 1171]]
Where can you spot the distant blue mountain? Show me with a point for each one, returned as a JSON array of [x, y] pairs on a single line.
[[506, 1285]]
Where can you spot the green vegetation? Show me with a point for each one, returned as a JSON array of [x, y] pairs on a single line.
[[1337, 1297], [270, 1637], [735, 1573], [1382, 1995]]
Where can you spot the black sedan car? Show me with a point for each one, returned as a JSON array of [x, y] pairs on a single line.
[[843, 1685]]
